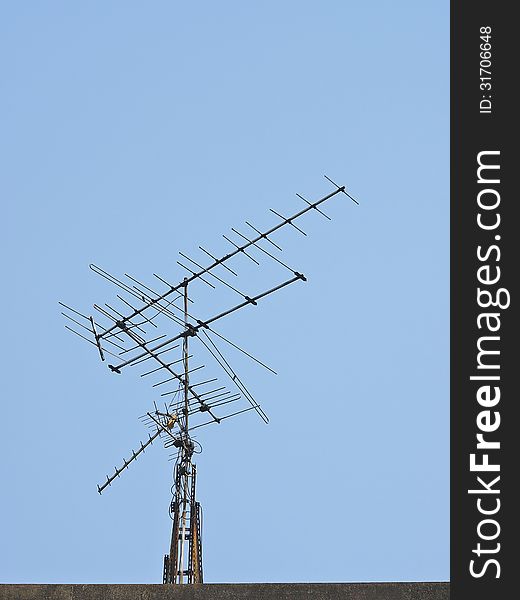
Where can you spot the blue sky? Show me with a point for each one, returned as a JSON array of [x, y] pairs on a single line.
[[134, 130]]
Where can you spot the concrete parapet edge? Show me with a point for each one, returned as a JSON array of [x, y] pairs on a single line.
[[231, 591]]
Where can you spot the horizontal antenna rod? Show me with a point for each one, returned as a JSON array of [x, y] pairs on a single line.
[[239, 412], [219, 261], [193, 329]]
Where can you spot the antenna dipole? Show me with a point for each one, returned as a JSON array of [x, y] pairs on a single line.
[[191, 401]]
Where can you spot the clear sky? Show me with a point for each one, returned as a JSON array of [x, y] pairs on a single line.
[[133, 130]]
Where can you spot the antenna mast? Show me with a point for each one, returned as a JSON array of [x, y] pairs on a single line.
[[185, 557], [123, 332]]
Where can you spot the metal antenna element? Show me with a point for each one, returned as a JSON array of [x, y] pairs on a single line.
[[131, 331]]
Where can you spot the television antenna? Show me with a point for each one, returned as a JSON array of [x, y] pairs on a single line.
[[128, 333]]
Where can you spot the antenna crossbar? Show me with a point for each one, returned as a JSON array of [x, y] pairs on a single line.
[[225, 258], [193, 329]]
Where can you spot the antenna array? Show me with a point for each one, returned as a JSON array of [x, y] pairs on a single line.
[[129, 332]]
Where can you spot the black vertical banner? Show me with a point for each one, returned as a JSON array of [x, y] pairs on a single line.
[[485, 251]]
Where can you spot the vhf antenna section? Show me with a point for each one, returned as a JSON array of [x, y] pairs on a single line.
[[238, 249]]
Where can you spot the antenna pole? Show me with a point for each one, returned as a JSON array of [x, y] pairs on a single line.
[[181, 566], [185, 457], [185, 355]]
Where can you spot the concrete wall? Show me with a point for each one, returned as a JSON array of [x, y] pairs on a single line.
[[240, 591]]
